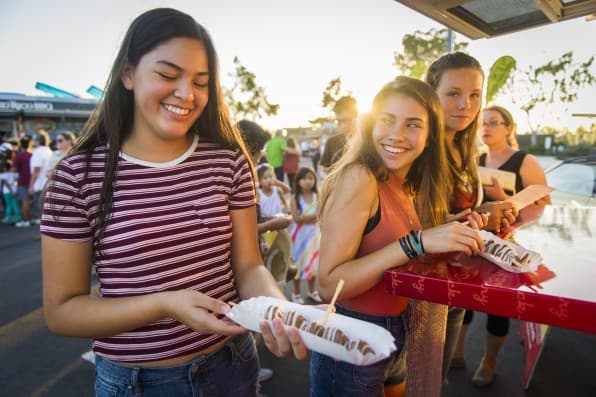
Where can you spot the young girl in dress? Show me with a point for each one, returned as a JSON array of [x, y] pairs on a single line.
[[306, 235], [271, 192], [158, 197]]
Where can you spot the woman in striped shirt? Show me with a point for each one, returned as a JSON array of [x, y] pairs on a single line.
[[159, 197]]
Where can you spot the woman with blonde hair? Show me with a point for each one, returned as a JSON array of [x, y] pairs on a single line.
[[64, 142], [498, 134]]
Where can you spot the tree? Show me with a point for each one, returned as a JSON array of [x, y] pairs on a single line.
[[331, 94], [499, 74], [420, 49], [246, 99], [557, 80]]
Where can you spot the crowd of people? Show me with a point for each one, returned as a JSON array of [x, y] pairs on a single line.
[[182, 212], [26, 164]]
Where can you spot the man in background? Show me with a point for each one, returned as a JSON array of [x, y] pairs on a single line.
[[275, 153], [346, 113], [41, 164]]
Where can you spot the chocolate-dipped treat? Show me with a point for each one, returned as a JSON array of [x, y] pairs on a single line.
[[294, 319], [335, 335], [273, 312]]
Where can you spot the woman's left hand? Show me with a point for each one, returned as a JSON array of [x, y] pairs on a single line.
[[502, 214], [477, 220], [495, 191], [283, 341]]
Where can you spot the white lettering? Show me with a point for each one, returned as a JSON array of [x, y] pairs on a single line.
[[16, 106]]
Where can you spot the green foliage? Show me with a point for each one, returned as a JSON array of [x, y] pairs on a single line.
[[246, 99], [558, 80], [498, 75], [420, 49], [331, 93]]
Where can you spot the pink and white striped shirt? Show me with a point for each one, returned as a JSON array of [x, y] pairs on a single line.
[[169, 229]]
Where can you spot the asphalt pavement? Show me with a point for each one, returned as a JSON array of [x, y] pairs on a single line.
[[38, 363]]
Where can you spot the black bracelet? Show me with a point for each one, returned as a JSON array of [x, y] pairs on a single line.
[[404, 246], [412, 245]]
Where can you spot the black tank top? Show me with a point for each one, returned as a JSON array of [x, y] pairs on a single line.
[[513, 164]]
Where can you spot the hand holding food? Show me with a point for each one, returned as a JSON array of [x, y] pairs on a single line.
[[344, 338]]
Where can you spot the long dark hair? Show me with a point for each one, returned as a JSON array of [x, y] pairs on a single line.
[[112, 120], [466, 139], [301, 174], [427, 177]]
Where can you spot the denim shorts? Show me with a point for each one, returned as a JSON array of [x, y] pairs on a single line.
[[23, 194], [231, 370], [329, 377]]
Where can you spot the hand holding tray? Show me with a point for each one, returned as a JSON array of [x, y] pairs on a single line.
[[343, 338]]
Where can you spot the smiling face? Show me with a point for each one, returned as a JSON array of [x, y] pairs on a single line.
[[460, 93], [170, 88], [400, 133]]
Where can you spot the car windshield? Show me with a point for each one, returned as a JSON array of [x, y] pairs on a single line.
[[573, 178]]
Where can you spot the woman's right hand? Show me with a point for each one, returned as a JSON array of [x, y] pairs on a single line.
[[199, 312], [452, 237]]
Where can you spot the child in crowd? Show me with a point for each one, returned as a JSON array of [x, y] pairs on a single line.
[[271, 192], [158, 196], [306, 235], [274, 239], [370, 223], [8, 179]]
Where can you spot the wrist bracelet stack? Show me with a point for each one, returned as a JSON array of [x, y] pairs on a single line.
[[412, 245]]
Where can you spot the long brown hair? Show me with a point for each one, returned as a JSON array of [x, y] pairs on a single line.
[[112, 120], [427, 177], [465, 140]]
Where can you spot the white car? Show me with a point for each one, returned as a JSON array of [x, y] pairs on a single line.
[[574, 180]]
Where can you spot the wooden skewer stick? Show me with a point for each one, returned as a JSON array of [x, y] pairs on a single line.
[[340, 285]]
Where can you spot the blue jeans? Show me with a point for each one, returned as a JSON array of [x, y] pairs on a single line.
[[230, 371], [329, 377]]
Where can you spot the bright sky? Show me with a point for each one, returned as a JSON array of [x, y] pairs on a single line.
[[294, 47]]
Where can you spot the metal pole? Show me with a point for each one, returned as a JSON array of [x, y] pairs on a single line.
[[449, 40]]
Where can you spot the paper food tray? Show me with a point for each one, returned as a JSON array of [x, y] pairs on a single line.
[[505, 178], [529, 265], [249, 313]]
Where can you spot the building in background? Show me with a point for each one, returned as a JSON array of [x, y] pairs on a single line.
[[24, 114]]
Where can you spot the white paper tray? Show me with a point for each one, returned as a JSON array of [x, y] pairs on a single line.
[[535, 259], [249, 313]]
